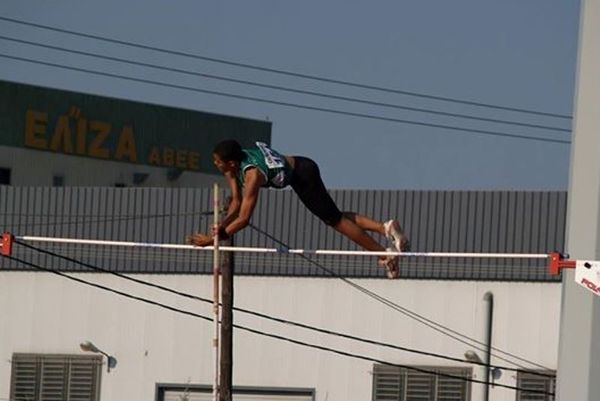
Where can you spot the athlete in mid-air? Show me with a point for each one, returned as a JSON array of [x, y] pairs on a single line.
[[249, 170]]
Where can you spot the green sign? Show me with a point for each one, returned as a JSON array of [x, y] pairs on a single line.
[[120, 130]]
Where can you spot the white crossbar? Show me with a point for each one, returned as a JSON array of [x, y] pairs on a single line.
[[283, 249]]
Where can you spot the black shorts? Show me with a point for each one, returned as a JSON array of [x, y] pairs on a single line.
[[307, 183]]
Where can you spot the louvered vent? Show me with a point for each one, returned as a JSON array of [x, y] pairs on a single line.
[[532, 382], [399, 384], [38, 377]]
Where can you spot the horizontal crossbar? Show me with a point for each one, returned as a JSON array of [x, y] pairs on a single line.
[[283, 250]]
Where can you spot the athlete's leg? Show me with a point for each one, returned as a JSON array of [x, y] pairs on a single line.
[[365, 222], [391, 229], [308, 184], [356, 233]]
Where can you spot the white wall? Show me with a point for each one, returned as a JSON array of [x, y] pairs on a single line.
[[45, 313], [36, 168]]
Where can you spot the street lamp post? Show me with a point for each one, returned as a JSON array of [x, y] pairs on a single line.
[[88, 346], [495, 372]]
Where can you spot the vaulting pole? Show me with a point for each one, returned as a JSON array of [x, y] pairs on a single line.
[[216, 292]]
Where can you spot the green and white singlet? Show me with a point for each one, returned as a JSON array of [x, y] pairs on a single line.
[[270, 163]]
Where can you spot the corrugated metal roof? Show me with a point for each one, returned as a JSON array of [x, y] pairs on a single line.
[[453, 221]]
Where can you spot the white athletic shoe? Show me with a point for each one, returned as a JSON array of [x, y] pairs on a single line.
[[390, 263], [394, 234]]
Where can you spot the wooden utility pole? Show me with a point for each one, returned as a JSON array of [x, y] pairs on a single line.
[[226, 380]]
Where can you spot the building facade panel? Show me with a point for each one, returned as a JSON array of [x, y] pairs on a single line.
[[47, 314], [435, 222]]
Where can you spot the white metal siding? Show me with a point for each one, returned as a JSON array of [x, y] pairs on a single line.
[[45, 313]]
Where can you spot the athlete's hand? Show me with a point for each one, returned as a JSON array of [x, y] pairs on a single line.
[[199, 239]]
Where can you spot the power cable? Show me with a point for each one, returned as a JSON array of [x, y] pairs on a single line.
[[262, 333], [283, 88], [176, 256], [287, 104], [428, 322], [269, 317], [432, 324], [100, 219], [103, 220], [283, 72], [405, 311]]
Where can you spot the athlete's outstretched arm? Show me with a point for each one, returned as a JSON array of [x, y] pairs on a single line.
[[240, 210], [236, 200], [254, 179], [233, 210]]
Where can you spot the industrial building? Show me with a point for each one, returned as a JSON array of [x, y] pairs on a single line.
[[442, 307]]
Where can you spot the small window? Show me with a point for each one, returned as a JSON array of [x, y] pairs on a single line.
[[391, 383], [4, 176], [40, 377], [191, 392], [537, 383]]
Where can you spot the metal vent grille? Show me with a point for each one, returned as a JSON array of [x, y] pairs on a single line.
[[399, 384], [527, 381], [39, 377]]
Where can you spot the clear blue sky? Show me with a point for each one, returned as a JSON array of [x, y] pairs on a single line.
[[519, 54]]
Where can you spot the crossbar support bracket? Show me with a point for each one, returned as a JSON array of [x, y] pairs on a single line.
[[6, 244], [559, 261]]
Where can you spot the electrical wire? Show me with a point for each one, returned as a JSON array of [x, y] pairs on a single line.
[[283, 72], [103, 220], [428, 322], [273, 318], [288, 104], [266, 334], [405, 311], [283, 88], [183, 257], [175, 257]]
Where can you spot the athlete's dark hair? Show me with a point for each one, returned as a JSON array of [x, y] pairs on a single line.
[[229, 150]]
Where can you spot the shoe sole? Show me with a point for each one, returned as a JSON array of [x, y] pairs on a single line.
[[396, 237]]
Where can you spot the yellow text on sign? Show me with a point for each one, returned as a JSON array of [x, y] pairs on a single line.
[[89, 138], [73, 134]]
